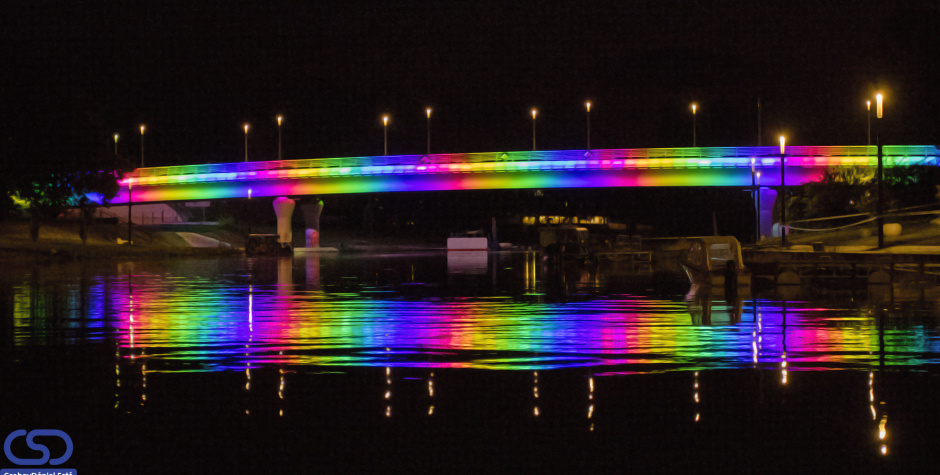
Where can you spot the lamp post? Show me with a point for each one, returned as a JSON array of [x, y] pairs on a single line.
[[881, 178], [115, 144], [758, 206], [142, 127], [756, 203], [280, 119], [428, 111], [130, 202], [694, 109], [246, 141], [868, 105], [587, 105], [534, 113], [783, 194], [385, 132], [249, 211]]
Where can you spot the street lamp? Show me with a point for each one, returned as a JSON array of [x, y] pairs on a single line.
[[385, 132], [758, 206], [142, 127], [754, 195], [249, 211], [783, 201], [428, 111], [115, 144], [694, 109], [587, 105], [868, 105], [280, 119], [534, 113], [246, 141], [879, 113]]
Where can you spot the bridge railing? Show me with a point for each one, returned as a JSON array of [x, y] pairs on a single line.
[[688, 157]]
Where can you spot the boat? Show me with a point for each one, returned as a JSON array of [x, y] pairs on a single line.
[[715, 261]]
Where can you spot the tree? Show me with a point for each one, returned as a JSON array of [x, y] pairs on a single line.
[[56, 151], [850, 190]]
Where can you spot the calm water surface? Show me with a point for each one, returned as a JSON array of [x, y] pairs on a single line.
[[461, 363]]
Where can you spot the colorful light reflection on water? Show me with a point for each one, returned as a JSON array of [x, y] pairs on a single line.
[[235, 317]]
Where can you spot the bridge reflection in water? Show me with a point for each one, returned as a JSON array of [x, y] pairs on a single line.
[[326, 337]]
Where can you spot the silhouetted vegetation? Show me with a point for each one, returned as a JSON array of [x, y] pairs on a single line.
[[55, 151], [853, 190]]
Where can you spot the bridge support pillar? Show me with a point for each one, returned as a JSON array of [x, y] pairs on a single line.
[[312, 210], [284, 209], [765, 211]]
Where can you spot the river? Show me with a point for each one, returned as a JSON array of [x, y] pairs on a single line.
[[466, 362]]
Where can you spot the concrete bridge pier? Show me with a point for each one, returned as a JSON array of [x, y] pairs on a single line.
[[312, 209], [765, 211], [284, 209]]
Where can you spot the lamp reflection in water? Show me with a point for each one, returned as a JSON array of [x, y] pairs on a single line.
[[695, 397], [757, 337], [783, 343], [590, 413], [431, 393], [280, 387], [251, 332], [388, 389], [535, 392], [882, 431]]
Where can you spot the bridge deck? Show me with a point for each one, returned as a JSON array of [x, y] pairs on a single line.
[[695, 166]]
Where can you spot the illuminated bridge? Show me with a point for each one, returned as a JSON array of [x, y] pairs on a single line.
[[695, 166]]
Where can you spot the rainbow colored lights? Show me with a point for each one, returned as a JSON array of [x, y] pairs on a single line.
[[212, 323], [696, 166]]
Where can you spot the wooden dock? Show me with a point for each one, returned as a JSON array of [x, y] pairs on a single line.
[[821, 266]]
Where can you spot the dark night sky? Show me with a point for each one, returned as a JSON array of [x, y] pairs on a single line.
[[196, 71]]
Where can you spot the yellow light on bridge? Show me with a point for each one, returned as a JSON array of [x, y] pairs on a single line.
[[428, 110], [384, 120], [879, 109], [588, 105], [142, 127], [694, 108], [783, 142], [534, 113], [280, 119], [246, 129]]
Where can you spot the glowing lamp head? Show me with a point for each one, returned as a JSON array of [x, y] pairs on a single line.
[[588, 106], [878, 99], [694, 108], [428, 111], [868, 105], [115, 138], [534, 113], [142, 127], [249, 193], [246, 129], [384, 120], [280, 119], [783, 142]]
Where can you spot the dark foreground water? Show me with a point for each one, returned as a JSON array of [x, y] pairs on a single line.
[[426, 363]]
